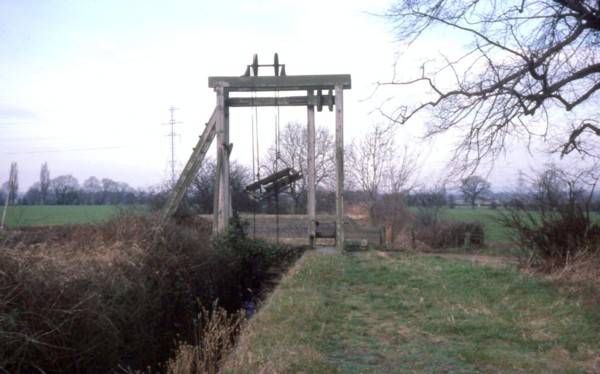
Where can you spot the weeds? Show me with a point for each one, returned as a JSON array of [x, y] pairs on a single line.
[[449, 234], [92, 298], [554, 222], [215, 331]]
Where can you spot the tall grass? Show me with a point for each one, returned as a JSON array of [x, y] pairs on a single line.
[[92, 298]]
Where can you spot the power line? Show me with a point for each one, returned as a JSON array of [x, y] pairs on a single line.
[[172, 135], [66, 150]]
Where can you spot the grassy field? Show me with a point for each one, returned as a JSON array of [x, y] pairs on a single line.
[[368, 313], [42, 215], [495, 233]]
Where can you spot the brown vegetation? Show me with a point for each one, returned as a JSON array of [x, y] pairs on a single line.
[[447, 234], [93, 298], [554, 224]]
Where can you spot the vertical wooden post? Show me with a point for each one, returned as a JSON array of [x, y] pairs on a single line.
[[311, 167], [339, 167], [223, 149]]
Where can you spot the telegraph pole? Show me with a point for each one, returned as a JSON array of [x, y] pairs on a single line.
[[172, 135]]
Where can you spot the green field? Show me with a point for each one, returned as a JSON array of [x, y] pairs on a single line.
[[378, 313], [42, 215], [495, 233]]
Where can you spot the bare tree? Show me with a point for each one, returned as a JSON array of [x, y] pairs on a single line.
[[554, 187], [66, 189], [11, 189], [200, 196], [555, 224], [368, 162], [401, 171], [92, 190], [375, 166], [474, 187], [293, 153], [44, 182], [525, 60], [13, 185]]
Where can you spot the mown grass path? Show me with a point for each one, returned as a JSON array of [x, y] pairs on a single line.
[[409, 313]]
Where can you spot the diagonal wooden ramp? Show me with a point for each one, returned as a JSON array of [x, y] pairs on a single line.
[[191, 168]]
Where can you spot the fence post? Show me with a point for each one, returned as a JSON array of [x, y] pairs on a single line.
[[467, 243]]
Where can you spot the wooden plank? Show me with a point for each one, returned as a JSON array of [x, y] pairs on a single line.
[[282, 83], [191, 168], [311, 167], [339, 167]]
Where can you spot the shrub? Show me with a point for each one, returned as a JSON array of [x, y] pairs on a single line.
[[92, 298], [391, 212], [215, 330], [448, 234], [552, 237], [554, 224]]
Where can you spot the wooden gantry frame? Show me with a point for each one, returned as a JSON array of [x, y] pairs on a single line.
[[321, 91]]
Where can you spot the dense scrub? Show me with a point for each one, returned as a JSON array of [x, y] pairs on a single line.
[[450, 234], [437, 232], [93, 298], [553, 238], [554, 223]]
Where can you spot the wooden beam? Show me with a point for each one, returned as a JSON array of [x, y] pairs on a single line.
[[311, 167], [224, 208], [267, 101], [326, 100], [191, 169], [339, 167], [282, 83]]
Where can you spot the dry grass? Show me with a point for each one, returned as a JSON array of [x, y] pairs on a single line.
[[581, 271], [92, 298], [215, 332]]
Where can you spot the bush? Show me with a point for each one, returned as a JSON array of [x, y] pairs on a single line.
[[391, 212], [92, 298], [449, 234], [554, 223], [552, 237]]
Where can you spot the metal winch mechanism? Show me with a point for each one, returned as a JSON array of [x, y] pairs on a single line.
[[252, 69]]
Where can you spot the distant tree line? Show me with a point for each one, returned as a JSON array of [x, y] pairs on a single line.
[[67, 190], [377, 174]]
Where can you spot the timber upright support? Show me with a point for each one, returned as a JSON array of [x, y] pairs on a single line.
[[311, 177], [223, 150], [339, 167]]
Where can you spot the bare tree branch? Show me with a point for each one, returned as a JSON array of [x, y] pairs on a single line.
[[525, 58]]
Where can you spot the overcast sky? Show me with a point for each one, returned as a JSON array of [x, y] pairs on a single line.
[[86, 85]]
